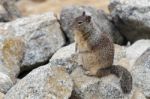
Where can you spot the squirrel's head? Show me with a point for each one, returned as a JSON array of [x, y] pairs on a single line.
[[82, 22]]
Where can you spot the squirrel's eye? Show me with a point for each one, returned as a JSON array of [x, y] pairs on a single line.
[[79, 22]]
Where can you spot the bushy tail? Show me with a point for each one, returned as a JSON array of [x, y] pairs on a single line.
[[120, 72]]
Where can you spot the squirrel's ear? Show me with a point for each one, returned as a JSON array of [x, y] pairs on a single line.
[[83, 14], [88, 18]]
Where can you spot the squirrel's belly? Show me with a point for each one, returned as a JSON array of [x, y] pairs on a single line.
[[90, 60]]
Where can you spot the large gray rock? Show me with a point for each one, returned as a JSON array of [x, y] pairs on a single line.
[[119, 53], [141, 71], [126, 56], [27, 43], [134, 51], [120, 57], [86, 87], [65, 56], [132, 18], [69, 13], [1, 95], [11, 51], [138, 95], [5, 82], [42, 36], [12, 54], [46, 82]]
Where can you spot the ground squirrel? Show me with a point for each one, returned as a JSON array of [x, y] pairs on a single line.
[[96, 52]]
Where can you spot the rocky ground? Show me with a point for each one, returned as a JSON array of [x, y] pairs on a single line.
[[38, 53]]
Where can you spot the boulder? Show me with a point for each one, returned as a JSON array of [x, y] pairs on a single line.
[[120, 53], [42, 36], [68, 14], [12, 53], [27, 43], [86, 87], [2, 96], [65, 57], [138, 95], [5, 83], [120, 57], [136, 50], [45, 82], [141, 71], [132, 18]]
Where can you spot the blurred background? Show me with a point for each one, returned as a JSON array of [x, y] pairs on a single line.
[[29, 7]]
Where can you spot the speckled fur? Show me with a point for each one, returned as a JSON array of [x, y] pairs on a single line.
[[96, 52]]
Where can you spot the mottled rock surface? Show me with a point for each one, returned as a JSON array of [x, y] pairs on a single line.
[[132, 18], [42, 36], [138, 95], [46, 82], [69, 13], [86, 87], [13, 52], [141, 71], [120, 53], [65, 57], [27, 43], [5, 83], [136, 50], [1, 96]]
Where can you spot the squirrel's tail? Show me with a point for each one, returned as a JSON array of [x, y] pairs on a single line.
[[120, 72]]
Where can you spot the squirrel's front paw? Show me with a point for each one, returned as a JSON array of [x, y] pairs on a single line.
[[88, 73]]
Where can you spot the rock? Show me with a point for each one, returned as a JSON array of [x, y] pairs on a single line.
[[44, 39], [65, 57], [5, 83], [86, 87], [1, 95], [46, 82], [126, 56], [120, 57], [68, 15], [138, 95], [4, 70], [42, 36], [132, 18], [4, 34], [120, 53], [141, 71], [12, 52], [136, 50]]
